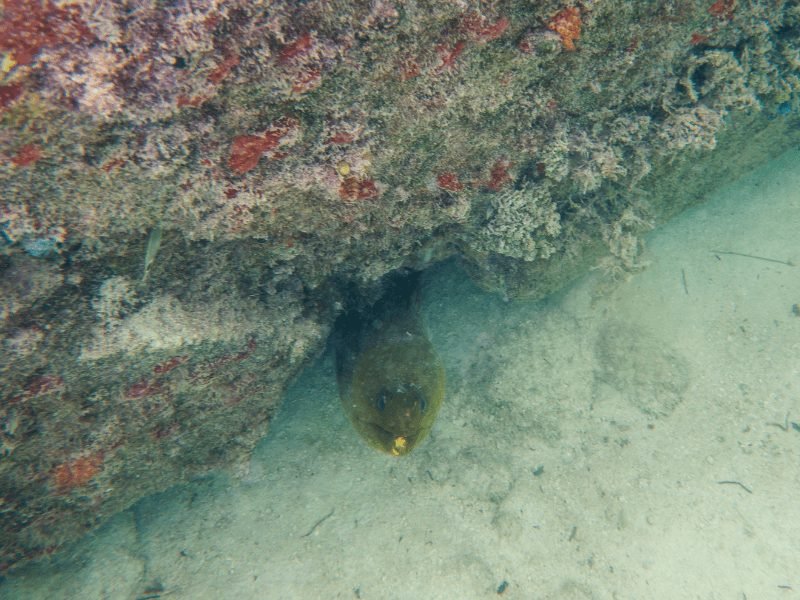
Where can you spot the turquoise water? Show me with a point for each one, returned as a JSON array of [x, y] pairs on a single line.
[[622, 439]]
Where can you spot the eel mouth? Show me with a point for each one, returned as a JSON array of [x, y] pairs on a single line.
[[392, 442]]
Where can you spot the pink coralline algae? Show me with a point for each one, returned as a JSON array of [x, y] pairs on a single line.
[[205, 372], [449, 181], [247, 150], [223, 69], [409, 68], [482, 29], [27, 155], [148, 387], [357, 188], [183, 100], [448, 55], [302, 60], [103, 58], [144, 389], [341, 138], [28, 27], [498, 176], [77, 472], [723, 9], [9, 94], [39, 386], [307, 80], [170, 364], [297, 48]]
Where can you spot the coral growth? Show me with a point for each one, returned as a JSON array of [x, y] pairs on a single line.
[[723, 9], [481, 28], [26, 28], [449, 181], [288, 151], [692, 127], [247, 150], [357, 188], [27, 155], [522, 224], [77, 472], [625, 244], [567, 24]]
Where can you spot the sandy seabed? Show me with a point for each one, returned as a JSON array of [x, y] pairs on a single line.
[[633, 441]]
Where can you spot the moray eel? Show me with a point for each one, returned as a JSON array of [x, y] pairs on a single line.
[[391, 381]]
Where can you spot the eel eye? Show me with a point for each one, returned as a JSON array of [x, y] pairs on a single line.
[[380, 401], [422, 403]]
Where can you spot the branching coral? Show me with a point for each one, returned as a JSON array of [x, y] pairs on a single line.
[[623, 238], [520, 224], [693, 127]]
